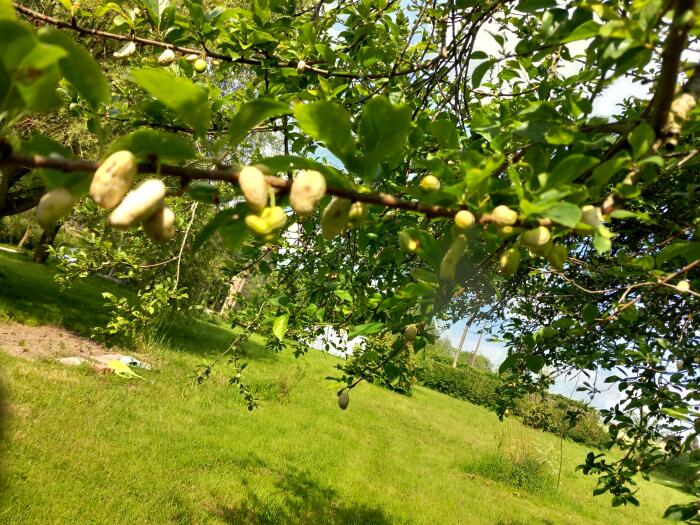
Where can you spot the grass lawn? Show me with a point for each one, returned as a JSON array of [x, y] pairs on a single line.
[[86, 448]]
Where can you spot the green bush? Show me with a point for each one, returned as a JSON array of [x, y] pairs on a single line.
[[551, 413], [518, 463]]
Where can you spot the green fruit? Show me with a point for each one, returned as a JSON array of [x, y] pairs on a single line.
[[160, 226], [548, 332], [430, 183], [683, 286], [259, 225], [200, 65], [448, 265], [253, 184], [464, 219], [509, 261], [307, 189], [408, 243], [410, 332], [335, 217], [274, 217], [113, 179], [139, 204], [503, 216], [557, 256], [357, 214], [343, 400], [54, 205], [537, 240]]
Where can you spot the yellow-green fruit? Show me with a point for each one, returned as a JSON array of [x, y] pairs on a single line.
[[113, 179], [274, 216], [503, 216], [259, 225], [166, 57], [254, 187], [448, 265], [407, 242], [537, 240], [410, 332], [505, 231], [200, 65], [464, 219], [683, 286], [343, 400], [54, 205], [139, 204], [430, 183], [335, 217], [591, 215], [548, 332], [357, 214], [160, 227], [308, 188], [557, 256], [509, 261]]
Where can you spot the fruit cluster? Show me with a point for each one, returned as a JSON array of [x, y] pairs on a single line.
[[110, 188]]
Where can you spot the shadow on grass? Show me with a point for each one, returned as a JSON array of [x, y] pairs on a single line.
[[300, 499]]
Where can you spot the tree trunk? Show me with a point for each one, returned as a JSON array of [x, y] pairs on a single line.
[[41, 252], [476, 350], [467, 326], [25, 237]]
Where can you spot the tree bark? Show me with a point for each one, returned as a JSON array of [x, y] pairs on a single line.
[[41, 252], [476, 350], [467, 326], [25, 237]]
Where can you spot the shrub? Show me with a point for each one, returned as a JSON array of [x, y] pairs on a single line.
[[551, 412], [518, 463]]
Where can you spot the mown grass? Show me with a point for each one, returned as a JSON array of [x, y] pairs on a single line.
[[85, 448]]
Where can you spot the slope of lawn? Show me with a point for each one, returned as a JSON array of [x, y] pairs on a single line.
[[86, 448]]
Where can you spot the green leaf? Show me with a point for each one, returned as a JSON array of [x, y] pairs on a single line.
[[568, 169], [234, 214], [564, 213], [344, 295], [589, 313], [79, 68], [163, 144], [534, 362], [282, 163], [445, 132], [601, 243], [480, 71], [383, 128], [6, 9], [329, 123], [586, 30], [178, 94], [252, 113], [641, 139], [203, 192], [154, 8], [531, 6], [364, 329], [279, 327]]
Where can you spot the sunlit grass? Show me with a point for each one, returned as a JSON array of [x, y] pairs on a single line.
[[85, 448]]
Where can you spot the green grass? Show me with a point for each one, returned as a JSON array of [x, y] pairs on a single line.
[[84, 448]]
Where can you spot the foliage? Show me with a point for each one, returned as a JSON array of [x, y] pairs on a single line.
[[367, 360], [550, 412], [393, 92], [517, 462]]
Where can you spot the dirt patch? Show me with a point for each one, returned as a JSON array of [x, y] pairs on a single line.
[[36, 342]]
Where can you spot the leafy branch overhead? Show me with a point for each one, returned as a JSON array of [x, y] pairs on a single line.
[[387, 167]]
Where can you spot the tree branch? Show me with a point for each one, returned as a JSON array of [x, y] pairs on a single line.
[[274, 62]]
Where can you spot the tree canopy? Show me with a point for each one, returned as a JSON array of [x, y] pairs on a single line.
[[385, 165]]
